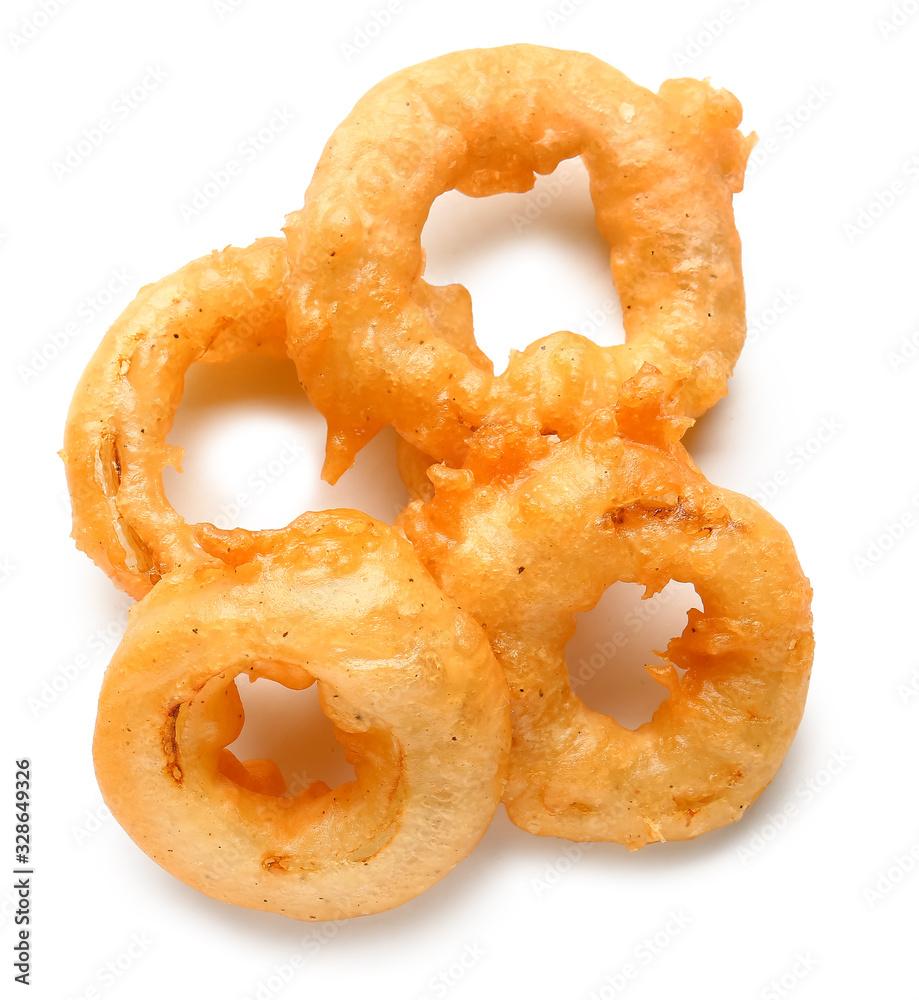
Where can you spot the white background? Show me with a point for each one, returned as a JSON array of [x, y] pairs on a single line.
[[815, 891]]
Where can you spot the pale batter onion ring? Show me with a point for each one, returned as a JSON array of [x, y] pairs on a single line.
[[410, 682]]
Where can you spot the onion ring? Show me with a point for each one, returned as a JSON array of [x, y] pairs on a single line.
[[213, 309], [529, 532], [663, 169], [411, 684]]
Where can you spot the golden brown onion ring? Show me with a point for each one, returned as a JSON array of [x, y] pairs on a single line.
[[531, 532], [663, 169], [415, 693], [214, 309]]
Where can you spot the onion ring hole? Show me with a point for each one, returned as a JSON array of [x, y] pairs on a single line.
[[533, 262], [254, 445], [288, 727], [615, 641]]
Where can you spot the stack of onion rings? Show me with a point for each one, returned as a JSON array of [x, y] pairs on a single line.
[[535, 491], [393, 652]]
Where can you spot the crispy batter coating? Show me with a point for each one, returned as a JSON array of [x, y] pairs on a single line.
[[410, 682], [213, 309], [532, 531], [663, 168]]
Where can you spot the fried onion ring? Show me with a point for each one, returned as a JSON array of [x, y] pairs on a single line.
[[531, 532], [663, 169], [213, 309], [413, 689]]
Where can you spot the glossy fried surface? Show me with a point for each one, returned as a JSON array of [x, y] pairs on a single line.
[[416, 696], [663, 168]]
